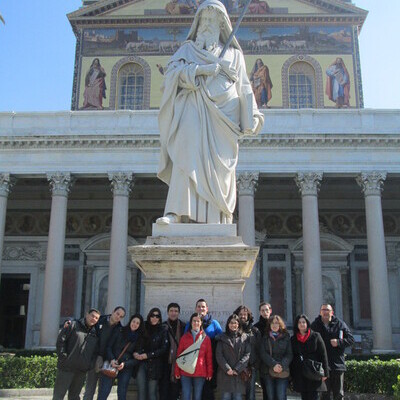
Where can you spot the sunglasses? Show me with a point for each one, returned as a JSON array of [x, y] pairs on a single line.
[[155, 315]]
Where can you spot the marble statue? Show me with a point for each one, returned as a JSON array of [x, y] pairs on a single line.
[[206, 106]]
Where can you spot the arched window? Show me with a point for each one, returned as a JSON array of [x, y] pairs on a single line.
[[302, 92], [131, 87]]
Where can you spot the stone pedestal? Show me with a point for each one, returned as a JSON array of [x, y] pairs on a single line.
[[185, 262]]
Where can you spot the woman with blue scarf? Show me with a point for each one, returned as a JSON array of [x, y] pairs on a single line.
[[131, 336], [276, 356]]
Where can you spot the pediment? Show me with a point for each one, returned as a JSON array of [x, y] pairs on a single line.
[[114, 9], [329, 243]]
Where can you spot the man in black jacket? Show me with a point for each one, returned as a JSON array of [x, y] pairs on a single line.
[[76, 349], [337, 337], [169, 386], [104, 328], [265, 310]]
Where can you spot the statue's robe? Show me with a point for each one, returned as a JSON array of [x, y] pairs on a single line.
[[201, 119]]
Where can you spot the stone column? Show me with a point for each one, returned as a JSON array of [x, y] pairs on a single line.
[[371, 184], [6, 183], [89, 287], [60, 184], [121, 186], [246, 184], [308, 184]]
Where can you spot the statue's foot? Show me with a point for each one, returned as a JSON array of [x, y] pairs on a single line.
[[168, 219]]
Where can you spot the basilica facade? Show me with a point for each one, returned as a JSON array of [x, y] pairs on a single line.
[[318, 188]]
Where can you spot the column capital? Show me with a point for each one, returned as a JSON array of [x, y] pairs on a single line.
[[6, 183], [60, 183], [308, 183], [371, 183], [121, 183], [247, 183]]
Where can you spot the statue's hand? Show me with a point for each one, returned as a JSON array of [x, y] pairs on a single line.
[[208, 70]]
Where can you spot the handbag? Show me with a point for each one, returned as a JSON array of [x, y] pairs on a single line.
[[312, 370], [280, 375], [110, 371], [187, 360], [246, 374]]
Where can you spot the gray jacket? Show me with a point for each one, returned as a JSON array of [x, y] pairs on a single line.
[[233, 352], [281, 352], [77, 346]]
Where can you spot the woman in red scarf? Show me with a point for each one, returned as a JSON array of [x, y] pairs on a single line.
[[307, 344]]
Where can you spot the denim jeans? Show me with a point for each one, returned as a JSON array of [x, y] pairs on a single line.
[[231, 396], [147, 388], [276, 388], [251, 386], [187, 383], [105, 385]]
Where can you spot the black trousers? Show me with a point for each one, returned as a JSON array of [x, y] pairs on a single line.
[[334, 384], [309, 395], [68, 381], [169, 390]]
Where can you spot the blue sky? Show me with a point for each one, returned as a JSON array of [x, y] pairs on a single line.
[[37, 50]]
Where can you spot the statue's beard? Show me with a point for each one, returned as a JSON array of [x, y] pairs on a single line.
[[207, 40]]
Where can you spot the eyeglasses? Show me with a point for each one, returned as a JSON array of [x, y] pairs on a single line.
[[155, 315]]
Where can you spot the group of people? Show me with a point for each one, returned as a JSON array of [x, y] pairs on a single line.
[[173, 360]]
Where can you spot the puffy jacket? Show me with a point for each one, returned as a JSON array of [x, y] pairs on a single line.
[[281, 352], [336, 329], [157, 344], [211, 327], [204, 366], [77, 346]]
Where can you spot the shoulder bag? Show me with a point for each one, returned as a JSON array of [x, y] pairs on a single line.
[[312, 370], [110, 371], [187, 360]]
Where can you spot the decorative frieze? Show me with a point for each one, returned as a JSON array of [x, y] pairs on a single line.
[[27, 252], [371, 182], [308, 183]]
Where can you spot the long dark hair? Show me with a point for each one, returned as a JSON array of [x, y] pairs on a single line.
[[296, 323], [127, 328], [232, 317], [152, 311]]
